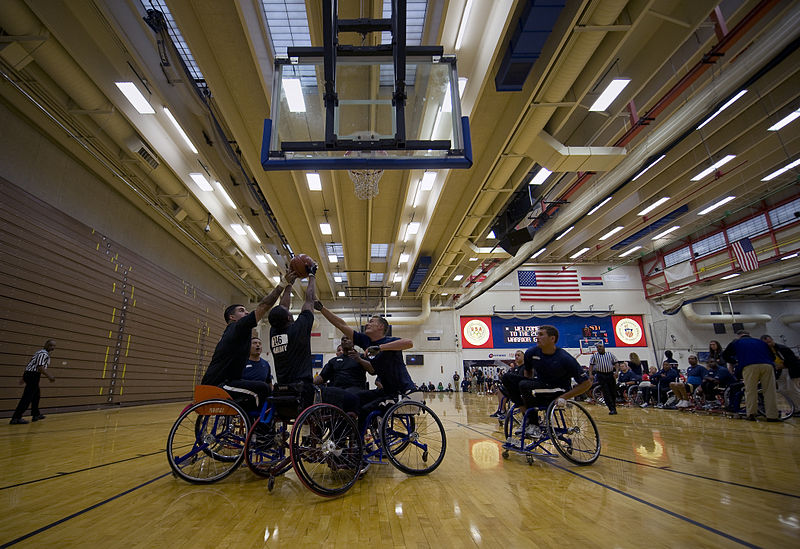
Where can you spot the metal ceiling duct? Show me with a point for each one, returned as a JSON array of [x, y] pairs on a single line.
[[690, 315]]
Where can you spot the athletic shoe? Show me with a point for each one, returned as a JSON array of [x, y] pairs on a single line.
[[533, 431], [17, 421], [37, 418], [644, 405], [496, 414], [612, 413], [682, 404]]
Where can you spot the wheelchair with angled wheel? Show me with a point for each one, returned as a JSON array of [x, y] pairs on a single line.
[[570, 430]]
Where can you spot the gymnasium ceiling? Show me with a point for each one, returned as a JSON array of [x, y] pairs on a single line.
[[61, 60]]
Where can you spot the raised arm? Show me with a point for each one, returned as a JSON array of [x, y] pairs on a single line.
[[366, 364], [335, 320], [311, 293], [268, 301]]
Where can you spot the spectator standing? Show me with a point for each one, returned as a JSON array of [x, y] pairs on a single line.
[[456, 377], [754, 365], [787, 368], [635, 364], [605, 364], [33, 372]]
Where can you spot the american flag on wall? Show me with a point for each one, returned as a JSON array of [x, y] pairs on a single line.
[[549, 285], [745, 254]]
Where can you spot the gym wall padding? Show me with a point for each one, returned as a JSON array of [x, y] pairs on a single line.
[[127, 330]]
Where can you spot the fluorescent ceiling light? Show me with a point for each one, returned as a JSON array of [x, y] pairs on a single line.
[[325, 228], [783, 122], [398, 278], [458, 277], [734, 275], [712, 168], [473, 259], [294, 94], [681, 292], [411, 229], [732, 291], [337, 279], [276, 279], [261, 258], [135, 97], [612, 232], [537, 254], [253, 234], [463, 26], [341, 293], [716, 205], [238, 229], [603, 203], [787, 167], [782, 291], [445, 293], [653, 163], [224, 194], [540, 176], [789, 257], [730, 102], [629, 252], [403, 259], [611, 92], [653, 206], [180, 130], [393, 293], [333, 258], [562, 235], [314, 182], [447, 104], [580, 253], [491, 235], [426, 183], [269, 257], [201, 181], [665, 233]]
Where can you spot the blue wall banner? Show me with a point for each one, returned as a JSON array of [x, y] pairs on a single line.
[[520, 334]]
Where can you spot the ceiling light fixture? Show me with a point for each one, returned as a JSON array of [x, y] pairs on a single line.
[[665, 233], [728, 277], [611, 233], [540, 176], [791, 256], [653, 163], [314, 182], [261, 258], [611, 92], [201, 181], [713, 168], [457, 278], [403, 259], [393, 293], [398, 278], [253, 234], [732, 291], [537, 254], [727, 104], [447, 103], [426, 183], [653, 206], [269, 257], [224, 194], [716, 205], [784, 121], [473, 259], [782, 291], [325, 228], [180, 130], [333, 258], [276, 279], [463, 26], [294, 94], [603, 203], [238, 229], [341, 293], [562, 235], [491, 236], [337, 279], [580, 253], [411, 229], [135, 97], [629, 252], [786, 168]]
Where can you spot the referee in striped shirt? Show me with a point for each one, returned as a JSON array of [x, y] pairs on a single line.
[[33, 373], [605, 364]]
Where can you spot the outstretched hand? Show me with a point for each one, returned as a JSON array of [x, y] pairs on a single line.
[[290, 277], [372, 351], [318, 305], [312, 271]]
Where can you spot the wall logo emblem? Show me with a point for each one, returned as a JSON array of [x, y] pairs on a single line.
[[476, 332], [628, 331]]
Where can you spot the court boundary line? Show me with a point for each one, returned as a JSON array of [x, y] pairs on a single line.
[[628, 495], [78, 513], [64, 474]]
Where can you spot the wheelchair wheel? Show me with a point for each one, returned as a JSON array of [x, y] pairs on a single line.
[[785, 406], [207, 441], [513, 421], [573, 432], [266, 448], [326, 450], [413, 438], [634, 395], [597, 395]]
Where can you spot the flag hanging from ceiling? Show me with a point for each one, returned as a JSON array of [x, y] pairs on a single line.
[[559, 285], [745, 254]]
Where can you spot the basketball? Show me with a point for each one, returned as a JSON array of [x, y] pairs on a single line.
[[300, 264]]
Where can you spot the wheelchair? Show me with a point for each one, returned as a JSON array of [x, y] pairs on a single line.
[[736, 390], [214, 435], [570, 430]]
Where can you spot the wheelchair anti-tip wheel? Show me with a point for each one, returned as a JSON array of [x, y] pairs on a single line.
[[326, 450], [573, 432], [267, 447], [413, 437], [207, 441]]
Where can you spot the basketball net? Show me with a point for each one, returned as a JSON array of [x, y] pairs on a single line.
[[365, 181]]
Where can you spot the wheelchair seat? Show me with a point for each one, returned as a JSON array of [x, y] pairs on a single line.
[[287, 399]]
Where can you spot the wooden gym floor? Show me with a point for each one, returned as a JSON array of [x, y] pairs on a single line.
[[665, 479]]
